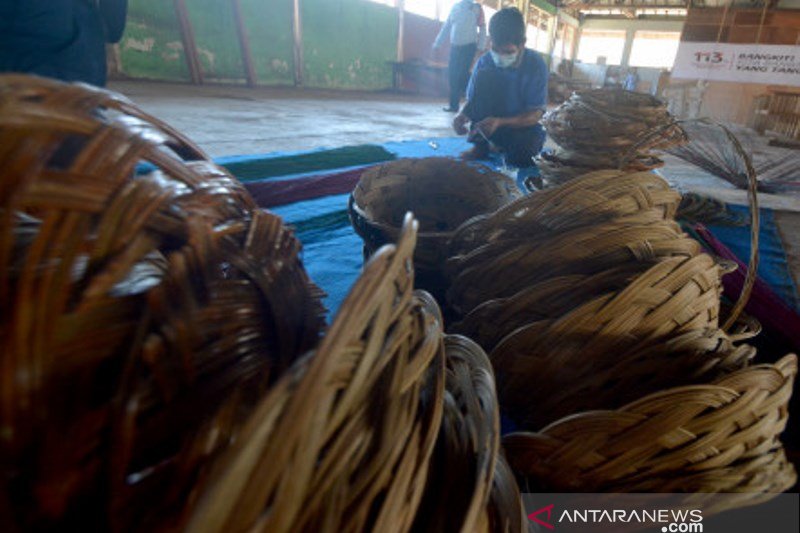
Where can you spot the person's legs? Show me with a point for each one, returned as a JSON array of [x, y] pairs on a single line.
[[520, 145], [458, 72], [467, 54]]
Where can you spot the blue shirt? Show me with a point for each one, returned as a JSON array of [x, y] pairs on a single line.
[[464, 25], [524, 87]]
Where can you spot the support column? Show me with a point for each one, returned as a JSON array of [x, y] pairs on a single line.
[[401, 20], [626, 51], [297, 39], [189, 45], [244, 44]]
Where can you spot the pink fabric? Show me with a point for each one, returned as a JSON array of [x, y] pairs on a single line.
[[767, 307], [271, 193]]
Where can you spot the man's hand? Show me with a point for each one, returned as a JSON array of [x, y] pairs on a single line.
[[460, 124], [489, 125]]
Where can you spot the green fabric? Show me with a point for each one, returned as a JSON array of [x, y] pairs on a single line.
[[337, 158]]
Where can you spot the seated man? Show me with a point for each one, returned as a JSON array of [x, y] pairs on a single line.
[[507, 95]]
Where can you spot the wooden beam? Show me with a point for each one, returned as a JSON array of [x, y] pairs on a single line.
[[628, 5], [401, 22], [297, 34], [244, 44], [189, 45]]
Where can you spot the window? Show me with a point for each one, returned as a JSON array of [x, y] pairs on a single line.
[[565, 38], [426, 8], [654, 49], [538, 32], [601, 43]]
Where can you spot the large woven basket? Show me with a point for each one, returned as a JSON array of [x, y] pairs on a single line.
[[579, 351], [721, 437], [442, 193], [344, 442], [142, 316]]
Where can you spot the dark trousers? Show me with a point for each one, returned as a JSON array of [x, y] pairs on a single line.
[[519, 145], [458, 70]]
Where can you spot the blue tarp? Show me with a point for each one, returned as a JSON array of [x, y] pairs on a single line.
[[333, 252]]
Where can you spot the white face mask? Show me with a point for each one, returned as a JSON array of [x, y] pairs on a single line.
[[503, 60]]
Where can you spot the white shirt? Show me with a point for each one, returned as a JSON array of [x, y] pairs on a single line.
[[464, 25]]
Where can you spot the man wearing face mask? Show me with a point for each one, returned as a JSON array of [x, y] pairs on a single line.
[[506, 96]]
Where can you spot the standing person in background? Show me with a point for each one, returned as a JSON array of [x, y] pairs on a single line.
[[63, 39], [507, 96], [631, 80], [466, 29]]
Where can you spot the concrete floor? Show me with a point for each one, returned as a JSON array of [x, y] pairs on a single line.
[[238, 120]]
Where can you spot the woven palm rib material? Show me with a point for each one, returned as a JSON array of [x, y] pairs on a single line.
[[464, 461], [504, 512], [141, 316], [343, 443], [530, 241], [721, 437], [597, 197], [442, 193], [607, 128]]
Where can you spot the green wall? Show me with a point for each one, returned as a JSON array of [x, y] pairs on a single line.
[[269, 30], [151, 46], [215, 36], [347, 43]]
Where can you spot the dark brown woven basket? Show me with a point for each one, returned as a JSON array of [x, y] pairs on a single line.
[[142, 315], [442, 193]]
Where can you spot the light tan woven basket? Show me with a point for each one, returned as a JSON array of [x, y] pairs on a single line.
[[442, 193], [344, 442], [593, 198], [142, 316], [501, 269], [721, 437]]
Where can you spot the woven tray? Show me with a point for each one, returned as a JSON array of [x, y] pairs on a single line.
[[142, 316]]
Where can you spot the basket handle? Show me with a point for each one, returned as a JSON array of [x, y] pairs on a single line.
[[752, 197]]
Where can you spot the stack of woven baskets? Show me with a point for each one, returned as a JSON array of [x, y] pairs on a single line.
[[156, 316], [607, 128], [601, 320]]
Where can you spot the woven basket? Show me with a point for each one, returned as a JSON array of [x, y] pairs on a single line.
[[677, 438], [594, 198], [463, 465], [611, 120], [344, 443], [501, 269], [142, 316], [442, 193], [504, 512], [577, 351]]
